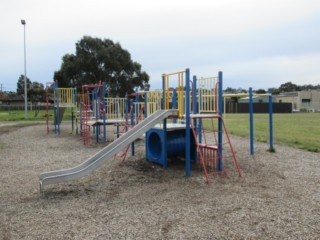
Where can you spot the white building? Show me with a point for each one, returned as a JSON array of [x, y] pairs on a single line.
[[303, 100]]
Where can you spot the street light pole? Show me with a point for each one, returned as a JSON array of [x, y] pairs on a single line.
[[23, 22]]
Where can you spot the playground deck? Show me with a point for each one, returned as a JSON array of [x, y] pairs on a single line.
[[107, 121]]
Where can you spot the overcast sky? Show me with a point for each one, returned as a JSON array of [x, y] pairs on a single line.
[[256, 43]]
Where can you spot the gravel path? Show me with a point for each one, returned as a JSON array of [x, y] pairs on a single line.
[[277, 198]]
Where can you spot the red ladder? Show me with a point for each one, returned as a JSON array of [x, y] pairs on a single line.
[[208, 147], [125, 127], [85, 131]]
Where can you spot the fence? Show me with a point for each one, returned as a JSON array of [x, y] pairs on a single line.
[[258, 108], [21, 107]]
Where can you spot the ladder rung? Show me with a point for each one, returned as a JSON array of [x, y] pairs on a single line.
[[211, 147]]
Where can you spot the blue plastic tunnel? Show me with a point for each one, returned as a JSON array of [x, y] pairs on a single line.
[[175, 144]]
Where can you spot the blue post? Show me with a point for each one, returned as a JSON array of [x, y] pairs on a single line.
[[163, 100], [220, 127], [188, 139], [165, 146], [174, 103], [195, 108], [137, 106], [117, 116], [270, 120], [127, 108], [146, 115], [132, 124], [57, 108], [194, 95], [96, 99], [97, 102], [164, 122], [251, 122], [200, 120], [127, 112], [145, 103], [104, 112]]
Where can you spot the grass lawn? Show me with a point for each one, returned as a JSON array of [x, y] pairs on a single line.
[[33, 115], [299, 130]]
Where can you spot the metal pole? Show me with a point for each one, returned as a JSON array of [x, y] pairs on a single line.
[[188, 134], [251, 122], [23, 22], [174, 103], [132, 124], [270, 120], [195, 110], [104, 107], [163, 100], [220, 125]]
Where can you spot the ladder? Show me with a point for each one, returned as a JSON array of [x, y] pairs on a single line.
[[85, 130], [125, 127], [213, 156]]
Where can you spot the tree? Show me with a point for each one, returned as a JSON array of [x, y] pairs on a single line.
[[35, 90], [101, 59], [36, 93], [275, 91], [260, 91], [289, 87], [20, 85], [309, 87], [230, 90]]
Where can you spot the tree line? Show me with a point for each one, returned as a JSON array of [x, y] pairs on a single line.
[[285, 87], [103, 60], [94, 60]]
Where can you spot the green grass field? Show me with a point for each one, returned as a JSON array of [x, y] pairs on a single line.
[[33, 115], [299, 130]]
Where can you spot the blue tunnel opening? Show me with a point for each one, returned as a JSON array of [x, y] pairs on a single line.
[[176, 145], [155, 145]]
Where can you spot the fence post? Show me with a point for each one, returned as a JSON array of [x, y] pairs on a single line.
[[251, 122], [270, 120]]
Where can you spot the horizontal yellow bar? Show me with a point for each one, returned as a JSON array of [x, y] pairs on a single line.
[[244, 94], [70, 89], [174, 73]]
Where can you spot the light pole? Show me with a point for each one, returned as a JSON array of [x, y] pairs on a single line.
[[23, 22]]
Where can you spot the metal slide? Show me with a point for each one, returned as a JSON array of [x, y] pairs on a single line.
[[106, 153]]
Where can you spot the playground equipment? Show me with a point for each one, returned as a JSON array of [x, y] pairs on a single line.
[[183, 136], [106, 153], [162, 144], [91, 106], [96, 111], [62, 98]]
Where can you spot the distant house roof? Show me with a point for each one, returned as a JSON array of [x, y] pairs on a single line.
[[288, 94], [256, 99]]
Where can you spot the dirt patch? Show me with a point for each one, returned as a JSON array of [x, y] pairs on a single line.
[[7, 127], [278, 196]]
